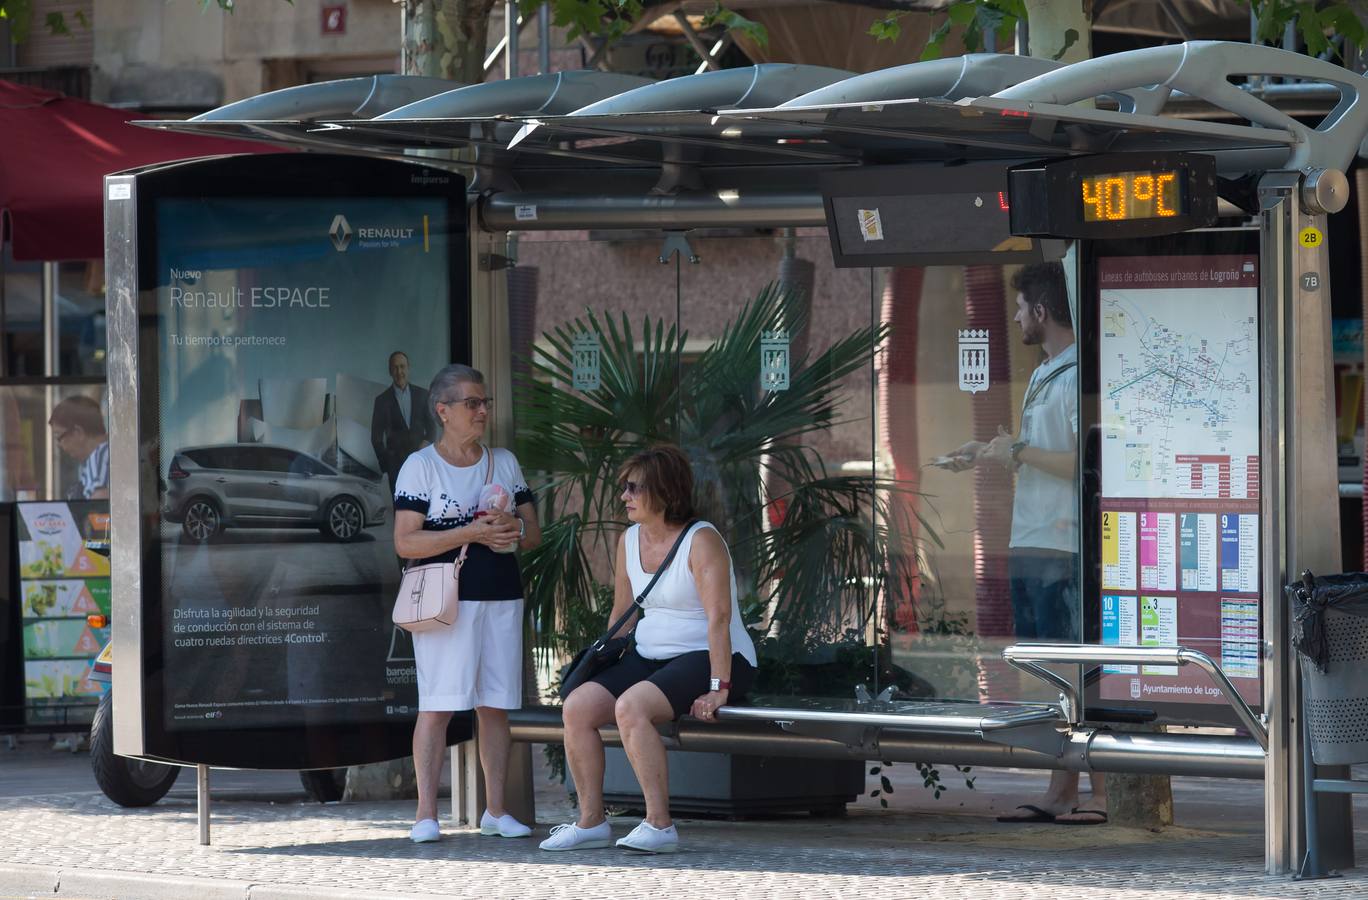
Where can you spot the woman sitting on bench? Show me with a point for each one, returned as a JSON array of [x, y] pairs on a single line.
[[691, 655]]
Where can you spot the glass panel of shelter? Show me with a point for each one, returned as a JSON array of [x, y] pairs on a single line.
[[596, 358], [860, 559], [781, 423], [984, 546]]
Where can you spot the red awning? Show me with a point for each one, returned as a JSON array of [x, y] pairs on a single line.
[[54, 154]]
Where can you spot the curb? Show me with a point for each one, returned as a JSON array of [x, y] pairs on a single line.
[[18, 880]]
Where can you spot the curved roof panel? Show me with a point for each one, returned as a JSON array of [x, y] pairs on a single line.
[[552, 95], [971, 75], [753, 86], [361, 98]]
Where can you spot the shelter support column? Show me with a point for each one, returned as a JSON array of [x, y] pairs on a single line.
[[491, 352], [1300, 481]]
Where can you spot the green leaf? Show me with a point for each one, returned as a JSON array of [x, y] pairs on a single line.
[[888, 28], [887, 785], [56, 24], [936, 43], [963, 12], [737, 23]]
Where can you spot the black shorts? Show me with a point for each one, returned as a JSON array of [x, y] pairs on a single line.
[[682, 679]]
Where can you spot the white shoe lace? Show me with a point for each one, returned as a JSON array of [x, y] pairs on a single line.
[[561, 829]]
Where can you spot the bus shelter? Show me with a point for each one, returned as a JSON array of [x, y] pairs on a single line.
[[1190, 214]]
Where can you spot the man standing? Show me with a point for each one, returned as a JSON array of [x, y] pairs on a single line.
[[1042, 563], [401, 421], [78, 428]]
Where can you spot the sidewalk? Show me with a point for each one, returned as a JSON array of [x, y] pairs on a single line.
[[76, 844]]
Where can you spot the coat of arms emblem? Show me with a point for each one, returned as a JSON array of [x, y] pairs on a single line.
[[973, 360]]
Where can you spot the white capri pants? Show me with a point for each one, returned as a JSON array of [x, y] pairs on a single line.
[[475, 662]]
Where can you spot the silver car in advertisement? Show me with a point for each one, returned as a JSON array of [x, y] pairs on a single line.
[[220, 486]]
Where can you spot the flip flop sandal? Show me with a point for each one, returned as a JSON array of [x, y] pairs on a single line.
[[1086, 812], [1036, 815]]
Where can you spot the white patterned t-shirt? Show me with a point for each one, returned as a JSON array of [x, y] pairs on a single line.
[[447, 496]]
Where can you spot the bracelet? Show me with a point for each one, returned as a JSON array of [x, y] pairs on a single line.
[[522, 527]]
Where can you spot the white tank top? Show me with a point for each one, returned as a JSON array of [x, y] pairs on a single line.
[[675, 621]]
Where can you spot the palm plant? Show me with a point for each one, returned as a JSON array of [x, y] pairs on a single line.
[[811, 544]]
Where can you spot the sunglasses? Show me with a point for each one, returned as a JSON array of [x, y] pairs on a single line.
[[633, 487], [472, 403]]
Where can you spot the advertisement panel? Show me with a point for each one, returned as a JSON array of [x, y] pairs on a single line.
[[294, 310], [1176, 532]]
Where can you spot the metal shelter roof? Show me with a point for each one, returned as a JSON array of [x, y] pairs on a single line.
[[775, 125]]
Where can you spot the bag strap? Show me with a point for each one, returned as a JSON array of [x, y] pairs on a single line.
[[1044, 383], [637, 601], [460, 559], [489, 476]]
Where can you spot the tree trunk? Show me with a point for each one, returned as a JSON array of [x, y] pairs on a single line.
[[1050, 22], [447, 39]]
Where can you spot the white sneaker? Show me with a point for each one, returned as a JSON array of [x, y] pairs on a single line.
[[503, 826], [572, 837], [649, 839], [424, 831]]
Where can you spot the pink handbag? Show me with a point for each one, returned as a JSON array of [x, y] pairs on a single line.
[[429, 595]]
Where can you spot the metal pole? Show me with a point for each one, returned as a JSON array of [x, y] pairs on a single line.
[[4, 320], [1281, 817], [51, 346], [544, 39], [510, 39], [1255, 81], [202, 802], [51, 326]]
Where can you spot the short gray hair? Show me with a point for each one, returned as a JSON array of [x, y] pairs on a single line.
[[445, 382]]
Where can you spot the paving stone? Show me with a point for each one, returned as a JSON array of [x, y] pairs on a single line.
[[83, 846]]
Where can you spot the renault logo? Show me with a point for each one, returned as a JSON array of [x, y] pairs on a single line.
[[340, 232]]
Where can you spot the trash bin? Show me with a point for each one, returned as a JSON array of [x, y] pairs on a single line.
[[1330, 632]]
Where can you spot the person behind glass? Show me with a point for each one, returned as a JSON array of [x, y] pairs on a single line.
[[1042, 562], [691, 654], [477, 662], [78, 428]]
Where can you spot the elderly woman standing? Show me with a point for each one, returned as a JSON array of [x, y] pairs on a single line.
[[477, 662], [692, 652]]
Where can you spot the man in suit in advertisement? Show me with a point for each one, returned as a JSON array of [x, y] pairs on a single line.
[[401, 421]]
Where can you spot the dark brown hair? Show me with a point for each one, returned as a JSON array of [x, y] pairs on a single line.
[[1044, 283], [663, 471], [78, 412]]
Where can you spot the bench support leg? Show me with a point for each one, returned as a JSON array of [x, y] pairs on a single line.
[[467, 784]]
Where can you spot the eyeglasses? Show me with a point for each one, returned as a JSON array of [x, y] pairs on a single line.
[[632, 487], [62, 435], [472, 403]]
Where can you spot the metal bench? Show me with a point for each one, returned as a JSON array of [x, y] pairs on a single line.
[[1023, 735]]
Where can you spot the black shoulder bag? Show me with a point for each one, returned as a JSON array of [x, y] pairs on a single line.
[[607, 650]]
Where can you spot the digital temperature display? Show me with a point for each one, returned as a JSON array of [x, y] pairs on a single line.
[[1126, 196], [1113, 195]]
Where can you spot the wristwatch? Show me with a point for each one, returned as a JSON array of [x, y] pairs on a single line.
[[1016, 452], [717, 684]]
